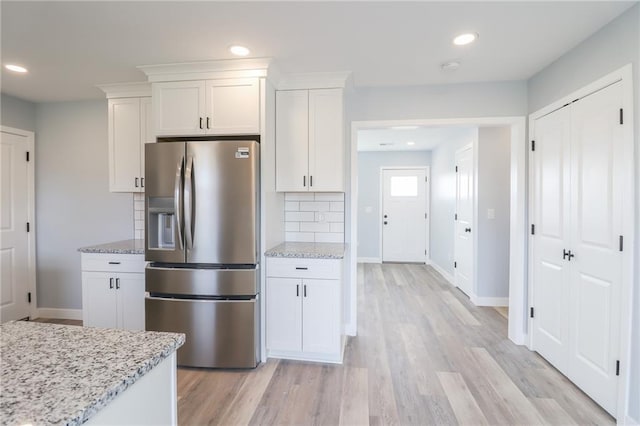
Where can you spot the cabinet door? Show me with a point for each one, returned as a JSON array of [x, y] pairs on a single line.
[[326, 140], [130, 290], [124, 145], [179, 108], [292, 140], [284, 314], [321, 316], [148, 134], [233, 106], [98, 300]]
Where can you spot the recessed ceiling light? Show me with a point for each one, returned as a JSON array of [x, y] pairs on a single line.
[[463, 39], [450, 66], [15, 68], [411, 143], [239, 50], [404, 127]]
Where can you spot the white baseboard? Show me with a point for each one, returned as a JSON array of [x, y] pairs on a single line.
[[369, 260], [442, 272], [489, 301], [350, 329], [55, 313]]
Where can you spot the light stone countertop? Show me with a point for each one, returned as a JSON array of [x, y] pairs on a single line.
[[64, 374], [117, 247], [308, 250]]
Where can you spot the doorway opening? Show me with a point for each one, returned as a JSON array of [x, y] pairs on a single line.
[[363, 213]]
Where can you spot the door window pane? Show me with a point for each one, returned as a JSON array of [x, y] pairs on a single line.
[[404, 186]]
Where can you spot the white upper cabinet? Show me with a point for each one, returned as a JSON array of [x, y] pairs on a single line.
[[129, 129], [310, 140], [207, 107]]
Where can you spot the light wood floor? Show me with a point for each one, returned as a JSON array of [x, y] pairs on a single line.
[[424, 355]]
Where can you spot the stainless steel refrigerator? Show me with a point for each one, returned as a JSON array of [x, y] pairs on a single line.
[[201, 206]]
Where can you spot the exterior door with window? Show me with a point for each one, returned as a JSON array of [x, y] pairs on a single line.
[[404, 215]]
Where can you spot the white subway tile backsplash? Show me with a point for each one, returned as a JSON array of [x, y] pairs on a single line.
[[291, 206], [139, 234], [314, 227], [337, 206], [329, 237], [298, 196], [329, 217], [336, 227], [292, 226], [299, 216], [329, 196], [314, 206], [314, 217], [139, 224], [304, 237], [138, 214]]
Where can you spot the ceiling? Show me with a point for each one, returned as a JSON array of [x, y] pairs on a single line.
[[69, 47], [424, 138]]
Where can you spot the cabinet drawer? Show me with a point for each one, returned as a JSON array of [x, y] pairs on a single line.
[[304, 268], [113, 262]]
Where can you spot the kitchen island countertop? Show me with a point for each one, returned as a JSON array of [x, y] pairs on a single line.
[[308, 250], [117, 247], [64, 374]]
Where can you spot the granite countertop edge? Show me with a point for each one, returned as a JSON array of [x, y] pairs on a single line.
[[132, 246], [308, 250], [111, 393]]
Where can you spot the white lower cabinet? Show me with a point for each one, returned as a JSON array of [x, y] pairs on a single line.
[[304, 312], [113, 291]]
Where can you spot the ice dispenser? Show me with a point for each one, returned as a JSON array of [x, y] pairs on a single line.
[[161, 223]]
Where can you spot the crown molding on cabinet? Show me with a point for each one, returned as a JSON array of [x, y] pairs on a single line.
[[315, 80], [209, 70], [126, 90]]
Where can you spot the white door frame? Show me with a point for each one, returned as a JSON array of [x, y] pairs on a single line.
[[518, 303], [427, 173], [623, 75], [31, 214]]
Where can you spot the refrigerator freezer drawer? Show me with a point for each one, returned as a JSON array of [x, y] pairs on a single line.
[[219, 333], [201, 282]]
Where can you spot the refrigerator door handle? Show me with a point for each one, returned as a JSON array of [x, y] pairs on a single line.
[[178, 199], [189, 193]]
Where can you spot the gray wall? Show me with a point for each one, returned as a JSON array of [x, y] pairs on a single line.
[[442, 101], [74, 207], [369, 164], [17, 113], [494, 178], [614, 46], [443, 200]]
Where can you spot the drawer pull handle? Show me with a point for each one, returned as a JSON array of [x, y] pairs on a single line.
[[297, 290], [300, 268], [304, 288], [114, 263], [110, 282], [118, 284]]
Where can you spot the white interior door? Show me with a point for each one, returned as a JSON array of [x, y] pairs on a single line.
[[578, 177], [463, 267], [404, 215], [14, 239], [597, 182], [551, 188]]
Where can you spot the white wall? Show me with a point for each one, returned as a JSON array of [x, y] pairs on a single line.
[[443, 199], [494, 175], [17, 113], [614, 46], [369, 164], [74, 207]]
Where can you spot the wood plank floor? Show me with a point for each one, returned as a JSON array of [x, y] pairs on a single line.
[[424, 355]]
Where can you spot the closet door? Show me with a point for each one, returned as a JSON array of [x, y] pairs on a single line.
[[551, 216], [596, 226]]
